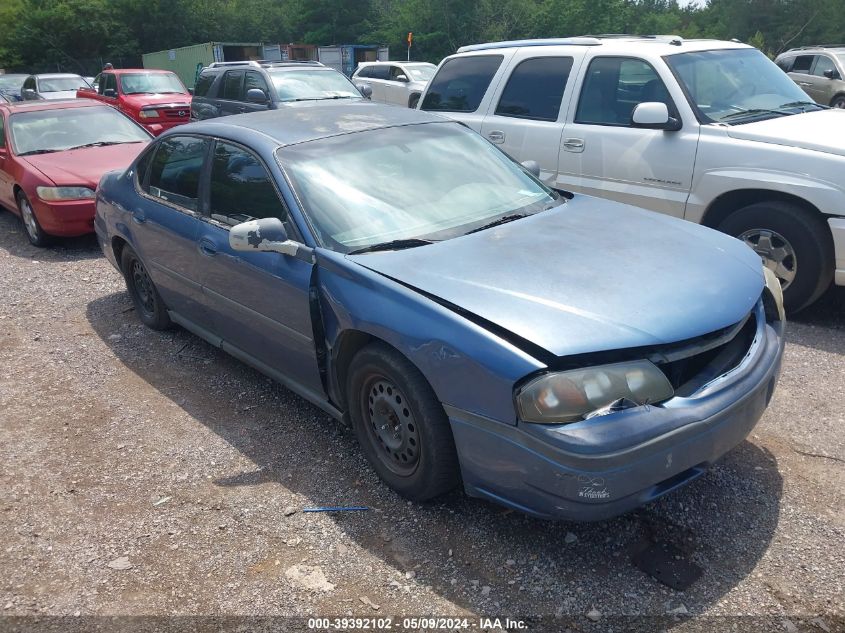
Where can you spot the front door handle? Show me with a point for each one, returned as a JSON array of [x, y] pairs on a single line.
[[496, 136], [574, 145], [207, 247]]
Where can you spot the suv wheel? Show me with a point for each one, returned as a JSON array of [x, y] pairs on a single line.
[[793, 242], [838, 102], [400, 425]]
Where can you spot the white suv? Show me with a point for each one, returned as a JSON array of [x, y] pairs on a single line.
[[705, 130], [399, 83]]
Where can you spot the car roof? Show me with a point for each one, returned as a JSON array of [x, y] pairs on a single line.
[[55, 75], [50, 104], [612, 44], [13, 75], [306, 121]]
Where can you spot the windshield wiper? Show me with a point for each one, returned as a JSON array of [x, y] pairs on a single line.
[[393, 245], [97, 144], [502, 220], [321, 98], [798, 104], [39, 151], [753, 112]]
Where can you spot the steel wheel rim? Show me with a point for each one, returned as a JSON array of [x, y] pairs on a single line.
[[777, 253], [143, 287], [391, 425], [29, 221]]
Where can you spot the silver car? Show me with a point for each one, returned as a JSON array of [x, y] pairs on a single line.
[[819, 70], [52, 86], [397, 83]]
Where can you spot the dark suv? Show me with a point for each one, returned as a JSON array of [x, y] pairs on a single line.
[[225, 88]]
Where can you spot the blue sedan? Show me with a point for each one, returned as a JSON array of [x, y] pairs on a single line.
[[565, 356]]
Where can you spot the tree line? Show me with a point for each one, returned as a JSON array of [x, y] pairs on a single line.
[[79, 35]]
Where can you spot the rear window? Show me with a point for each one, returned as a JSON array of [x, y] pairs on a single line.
[[802, 64], [203, 84], [232, 84], [535, 89], [460, 84]]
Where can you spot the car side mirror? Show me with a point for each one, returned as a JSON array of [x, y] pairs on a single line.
[[256, 95], [366, 90], [402, 78], [267, 235], [831, 73], [109, 92], [29, 93], [654, 115], [533, 167]]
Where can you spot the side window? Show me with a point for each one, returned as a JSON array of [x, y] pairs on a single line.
[[204, 82], [240, 187], [254, 80], [110, 82], [612, 88], [29, 84], [2, 131], [785, 64], [802, 64], [232, 85], [142, 167], [535, 89], [460, 84], [823, 64], [380, 71], [395, 71], [98, 82], [175, 170], [365, 72]]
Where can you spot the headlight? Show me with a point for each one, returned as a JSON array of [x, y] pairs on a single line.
[[773, 286], [570, 395], [149, 114], [64, 193]]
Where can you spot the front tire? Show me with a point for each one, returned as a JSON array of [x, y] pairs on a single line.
[[148, 302], [34, 232], [400, 425], [793, 242], [838, 102]]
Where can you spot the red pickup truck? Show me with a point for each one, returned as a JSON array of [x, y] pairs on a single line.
[[156, 99]]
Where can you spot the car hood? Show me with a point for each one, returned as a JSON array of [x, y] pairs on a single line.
[[823, 131], [61, 94], [588, 276], [84, 166], [139, 101]]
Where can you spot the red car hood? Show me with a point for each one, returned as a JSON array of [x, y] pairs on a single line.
[[139, 101], [85, 166]]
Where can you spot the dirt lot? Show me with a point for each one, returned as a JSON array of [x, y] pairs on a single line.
[[117, 441]]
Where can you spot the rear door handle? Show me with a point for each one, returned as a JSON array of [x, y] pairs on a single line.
[[138, 217], [207, 247], [574, 145], [496, 136]]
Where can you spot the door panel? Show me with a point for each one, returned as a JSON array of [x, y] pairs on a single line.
[[602, 155], [259, 302]]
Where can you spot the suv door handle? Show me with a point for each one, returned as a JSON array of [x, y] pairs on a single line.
[[207, 247], [574, 144], [496, 136]]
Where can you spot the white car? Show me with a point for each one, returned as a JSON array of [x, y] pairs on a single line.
[[52, 86], [705, 130], [398, 83]]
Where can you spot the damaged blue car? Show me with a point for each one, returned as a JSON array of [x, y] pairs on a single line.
[[564, 356]]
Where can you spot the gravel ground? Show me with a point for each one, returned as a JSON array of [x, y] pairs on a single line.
[[147, 473]]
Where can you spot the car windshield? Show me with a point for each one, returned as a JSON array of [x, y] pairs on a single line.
[[57, 129], [151, 83], [412, 182], [738, 86], [11, 82], [302, 85], [61, 84], [421, 72]]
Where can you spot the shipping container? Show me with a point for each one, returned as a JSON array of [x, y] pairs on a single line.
[[188, 61], [346, 57], [299, 52]]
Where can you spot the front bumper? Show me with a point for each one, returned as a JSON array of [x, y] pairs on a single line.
[[158, 128], [837, 229], [600, 468], [69, 218]]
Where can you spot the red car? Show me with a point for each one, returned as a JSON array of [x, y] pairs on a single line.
[[52, 156], [156, 99]]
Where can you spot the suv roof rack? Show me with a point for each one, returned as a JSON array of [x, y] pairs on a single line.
[[264, 63], [807, 48], [562, 41]]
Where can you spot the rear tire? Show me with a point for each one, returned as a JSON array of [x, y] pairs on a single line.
[[34, 232], [838, 102], [794, 242], [148, 302], [400, 424]]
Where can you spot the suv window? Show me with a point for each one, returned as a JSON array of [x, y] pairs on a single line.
[[379, 71], [366, 71], [241, 189], [255, 80], [535, 89], [612, 88], [175, 170], [110, 82], [232, 82], [461, 82], [204, 82], [823, 63], [395, 71], [785, 63], [802, 64]]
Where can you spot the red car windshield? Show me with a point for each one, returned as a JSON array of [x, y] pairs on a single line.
[[151, 83]]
